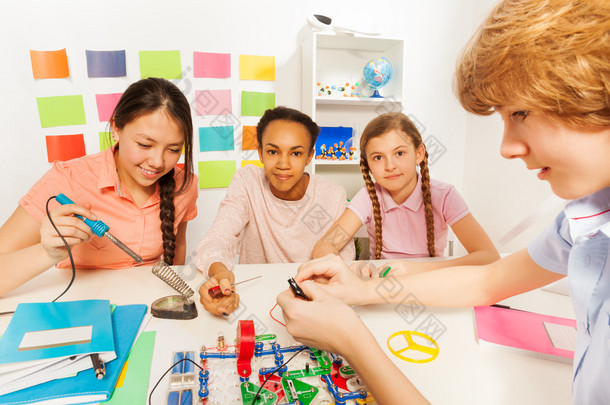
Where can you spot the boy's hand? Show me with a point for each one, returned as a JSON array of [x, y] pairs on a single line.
[[335, 277], [313, 322]]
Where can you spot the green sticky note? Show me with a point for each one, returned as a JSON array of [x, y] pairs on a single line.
[[105, 140], [165, 64], [216, 173], [61, 110], [132, 386], [254, 103]]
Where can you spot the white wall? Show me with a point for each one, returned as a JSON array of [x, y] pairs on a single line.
[[434, 33], [501, 193], [498, 192]]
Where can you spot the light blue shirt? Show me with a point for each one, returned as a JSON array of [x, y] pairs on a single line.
[[577, 244]]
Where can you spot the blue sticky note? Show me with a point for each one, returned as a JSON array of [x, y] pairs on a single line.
[[216, 138], [106, 63]]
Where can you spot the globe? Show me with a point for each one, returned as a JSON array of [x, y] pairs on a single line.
[[377, 73]]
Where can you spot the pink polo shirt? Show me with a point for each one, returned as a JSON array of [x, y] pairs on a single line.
[[404, 226], [93, 179]]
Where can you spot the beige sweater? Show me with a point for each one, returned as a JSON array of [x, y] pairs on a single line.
[[270, 230]]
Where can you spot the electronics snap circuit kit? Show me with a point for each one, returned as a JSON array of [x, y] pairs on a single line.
[[258, 371]]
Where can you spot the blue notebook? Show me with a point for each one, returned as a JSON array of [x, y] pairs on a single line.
[[39, 333], [84, 387]]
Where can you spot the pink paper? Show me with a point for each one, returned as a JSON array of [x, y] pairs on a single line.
[[106, 104], [214, 65], [213, 102], [519, 329]]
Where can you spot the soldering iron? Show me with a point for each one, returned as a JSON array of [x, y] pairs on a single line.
[[101, 229]]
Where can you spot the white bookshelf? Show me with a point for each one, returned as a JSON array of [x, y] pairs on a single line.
[[328, 57]]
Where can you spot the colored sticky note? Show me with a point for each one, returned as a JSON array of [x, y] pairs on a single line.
[[132, 385], [49, 64], [251, 162], [213, 102], [248, 138], [106, 63], [254, 103], [216, 138], [216, 173], [61, 110], [65, 147], [165, 64], [105, 140], [252, 67], [105, 105], [213, 65]]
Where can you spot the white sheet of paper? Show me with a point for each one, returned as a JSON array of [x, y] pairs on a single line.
[[562, 336]]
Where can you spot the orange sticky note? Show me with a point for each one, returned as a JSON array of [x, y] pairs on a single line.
[[49, 64], [65, 147], [248, 138]]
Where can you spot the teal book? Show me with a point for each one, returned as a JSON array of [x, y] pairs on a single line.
[[39, 333], [84, 387]]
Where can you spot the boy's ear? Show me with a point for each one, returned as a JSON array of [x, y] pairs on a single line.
[[420, 152]]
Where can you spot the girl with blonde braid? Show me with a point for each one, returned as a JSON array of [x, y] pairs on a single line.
[[407, 214]]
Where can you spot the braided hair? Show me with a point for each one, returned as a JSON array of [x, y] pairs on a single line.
[[380, 126], [145, 97]]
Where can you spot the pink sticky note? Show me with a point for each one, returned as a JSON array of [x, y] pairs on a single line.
[[213, 102], [214, 65], [106, 104]]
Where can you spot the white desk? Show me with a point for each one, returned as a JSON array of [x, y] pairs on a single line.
[[463, 373]]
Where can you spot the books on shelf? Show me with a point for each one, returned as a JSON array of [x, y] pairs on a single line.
[[530, 333], [84, 387]]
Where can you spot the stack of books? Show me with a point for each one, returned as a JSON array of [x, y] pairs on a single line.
[[49, 350]]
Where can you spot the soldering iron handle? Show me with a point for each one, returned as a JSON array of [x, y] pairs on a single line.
[[98, 227]]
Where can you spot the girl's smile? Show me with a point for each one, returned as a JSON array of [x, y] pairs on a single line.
[[149, 147]]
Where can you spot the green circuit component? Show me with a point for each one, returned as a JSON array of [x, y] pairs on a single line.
[[313, 371], [268, 338], [249, 390], [347, 372], [299, 390], [321, 357]]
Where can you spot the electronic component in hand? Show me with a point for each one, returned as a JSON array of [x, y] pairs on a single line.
[[101, 229], [215, 292], [296, 290]]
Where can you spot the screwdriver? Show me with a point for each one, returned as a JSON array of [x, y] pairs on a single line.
[[101, 229], [215, 291]]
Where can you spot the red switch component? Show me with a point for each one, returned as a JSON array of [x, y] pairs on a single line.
[[244, 347]]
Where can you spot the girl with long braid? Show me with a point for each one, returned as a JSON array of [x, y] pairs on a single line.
[[406, 213], [133, 186]]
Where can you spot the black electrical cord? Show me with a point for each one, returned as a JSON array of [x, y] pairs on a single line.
[[201, 368], [270, 375], [69, 255], [164, 374]]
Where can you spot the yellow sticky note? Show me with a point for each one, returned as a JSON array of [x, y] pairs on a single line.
[[253, 67], [251, 162]]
